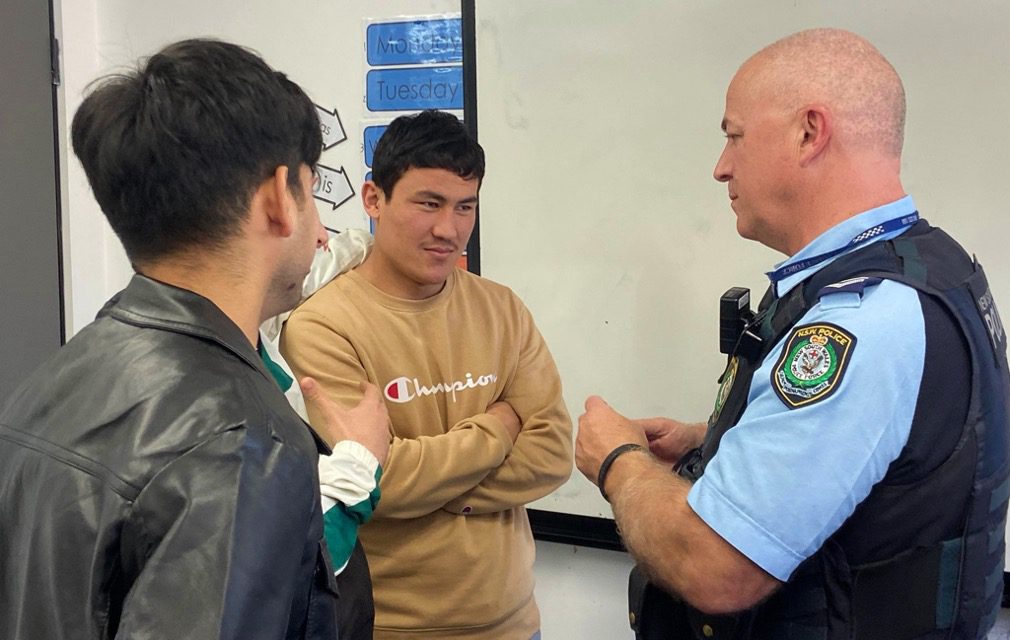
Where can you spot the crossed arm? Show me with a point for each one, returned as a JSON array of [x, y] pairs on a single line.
[[481, 464], [541, 458]]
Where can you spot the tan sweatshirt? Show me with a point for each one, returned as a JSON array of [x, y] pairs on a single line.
[[449, 546]]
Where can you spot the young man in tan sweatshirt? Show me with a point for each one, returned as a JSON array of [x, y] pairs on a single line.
[[479, 425]]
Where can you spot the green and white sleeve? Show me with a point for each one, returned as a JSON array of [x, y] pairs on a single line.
[[348, 478], [349, 484]]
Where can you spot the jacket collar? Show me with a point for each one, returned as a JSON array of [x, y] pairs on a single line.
[[146, 302]]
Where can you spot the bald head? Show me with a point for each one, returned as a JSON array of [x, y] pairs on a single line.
[[842, 71]]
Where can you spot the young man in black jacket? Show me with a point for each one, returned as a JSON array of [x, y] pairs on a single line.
[[154, 482]]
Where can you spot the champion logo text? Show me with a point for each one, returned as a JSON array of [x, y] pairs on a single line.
[[403, 389]]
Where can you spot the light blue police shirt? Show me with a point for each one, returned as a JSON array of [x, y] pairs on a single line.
[[785, 479]]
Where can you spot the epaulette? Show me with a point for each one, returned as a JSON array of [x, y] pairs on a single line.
[[847, 293]]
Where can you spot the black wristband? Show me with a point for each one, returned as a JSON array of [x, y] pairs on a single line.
[[609, 460]]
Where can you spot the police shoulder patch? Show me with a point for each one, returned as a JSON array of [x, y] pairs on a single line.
[[725, 386], [812, 364]]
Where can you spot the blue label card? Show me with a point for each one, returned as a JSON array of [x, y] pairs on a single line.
[[415, 42], [372, 135], [414, 89]]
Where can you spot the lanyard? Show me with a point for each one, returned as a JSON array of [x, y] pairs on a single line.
[[894, 224]]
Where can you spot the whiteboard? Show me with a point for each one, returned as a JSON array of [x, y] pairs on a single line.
[[320, 45], [601, 126]]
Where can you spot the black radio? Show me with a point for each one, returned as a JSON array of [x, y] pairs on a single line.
[[738, 325], [734, 315]]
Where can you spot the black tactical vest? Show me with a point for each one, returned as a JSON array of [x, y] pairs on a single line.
[[922, 555]]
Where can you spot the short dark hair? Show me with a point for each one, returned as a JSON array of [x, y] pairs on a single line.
[[427, 140], [175, 149]]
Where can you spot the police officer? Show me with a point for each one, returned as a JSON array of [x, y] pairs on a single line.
[[852, 480]]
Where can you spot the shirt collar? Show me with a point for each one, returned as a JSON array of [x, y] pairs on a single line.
[[840, 235]]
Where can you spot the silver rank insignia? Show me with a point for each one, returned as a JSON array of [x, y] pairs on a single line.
[[812, 364]]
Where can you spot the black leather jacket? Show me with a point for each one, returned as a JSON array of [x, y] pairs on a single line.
[[154, 483]]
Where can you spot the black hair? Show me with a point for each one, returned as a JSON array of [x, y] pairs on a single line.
[[427, 140], [175, 149]]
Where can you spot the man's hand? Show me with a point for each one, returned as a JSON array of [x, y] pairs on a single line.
[[601, 430], [504, 412], [367, 423], [670, 439]]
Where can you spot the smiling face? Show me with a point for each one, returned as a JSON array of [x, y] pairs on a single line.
[[759, 161], [421, 230]]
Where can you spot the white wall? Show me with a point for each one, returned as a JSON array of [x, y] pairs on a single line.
[[582, 592]]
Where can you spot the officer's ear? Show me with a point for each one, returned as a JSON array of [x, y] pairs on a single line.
[[816, 129]]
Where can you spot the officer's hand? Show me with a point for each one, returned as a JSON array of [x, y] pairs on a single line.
[[504, 412], [670, 439], [367, 423], [601, 430]]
